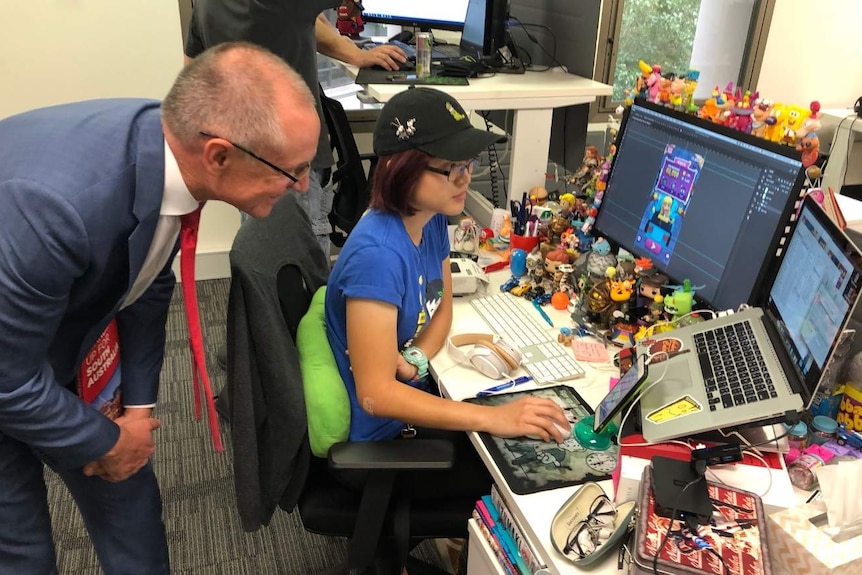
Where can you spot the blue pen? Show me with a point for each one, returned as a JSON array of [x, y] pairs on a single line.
[[507, 385], [542, 313]]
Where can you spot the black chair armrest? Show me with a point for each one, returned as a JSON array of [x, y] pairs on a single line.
[[397, 454]]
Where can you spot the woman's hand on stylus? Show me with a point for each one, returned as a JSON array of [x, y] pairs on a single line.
[[533, 416]]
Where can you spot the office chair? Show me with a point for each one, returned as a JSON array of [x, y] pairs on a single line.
[[383, 523], [275, 273], [352, 186]]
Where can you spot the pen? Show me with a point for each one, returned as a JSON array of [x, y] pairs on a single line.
[[542, 313], [507, 385]]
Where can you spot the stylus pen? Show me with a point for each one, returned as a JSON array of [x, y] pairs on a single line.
[[507, 385], [542, 313]]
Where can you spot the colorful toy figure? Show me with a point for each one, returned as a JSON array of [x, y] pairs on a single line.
[[809, 145], [582, 176], [759, 114], [466, 237], [349, 22], [600, 258], [812, 122]]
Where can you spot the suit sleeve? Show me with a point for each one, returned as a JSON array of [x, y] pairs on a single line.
[[142, 339], [43, 249]]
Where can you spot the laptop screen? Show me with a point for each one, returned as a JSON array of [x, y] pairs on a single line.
[[814, 291], [703, 202]]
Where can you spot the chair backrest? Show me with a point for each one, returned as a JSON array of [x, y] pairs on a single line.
[[352, 186]]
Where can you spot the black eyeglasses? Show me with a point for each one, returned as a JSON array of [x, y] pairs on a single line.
[[298, 174], [591, 531], [455, 171]]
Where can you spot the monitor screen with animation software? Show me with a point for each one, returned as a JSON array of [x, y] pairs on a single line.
[[702, 201]]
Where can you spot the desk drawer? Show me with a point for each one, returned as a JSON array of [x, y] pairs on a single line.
[[481, 559]]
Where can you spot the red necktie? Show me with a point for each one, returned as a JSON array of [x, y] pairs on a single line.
[[188, 241]]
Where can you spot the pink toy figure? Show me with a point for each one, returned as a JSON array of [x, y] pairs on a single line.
[[812, 122], [654, 83]]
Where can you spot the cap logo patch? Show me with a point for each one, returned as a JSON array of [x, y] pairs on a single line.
[[404, 131], [454, 113]]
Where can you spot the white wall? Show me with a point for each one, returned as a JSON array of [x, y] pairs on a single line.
[[813, 53], [55, 51]]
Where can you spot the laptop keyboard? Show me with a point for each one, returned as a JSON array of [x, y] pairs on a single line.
[[543, 357], [734, 370]]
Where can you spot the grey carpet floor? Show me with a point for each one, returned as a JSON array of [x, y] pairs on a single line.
[[203, 527]]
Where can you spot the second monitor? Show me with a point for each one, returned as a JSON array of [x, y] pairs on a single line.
[[703, 202]]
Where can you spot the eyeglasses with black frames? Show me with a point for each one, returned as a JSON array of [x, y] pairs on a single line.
[[455, 171], [297, 174], [591, 531]]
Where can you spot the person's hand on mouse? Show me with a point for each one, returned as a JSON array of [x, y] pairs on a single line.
[[386, 56], [533, 416]]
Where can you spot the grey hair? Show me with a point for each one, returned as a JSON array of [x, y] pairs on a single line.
[[231, 90]]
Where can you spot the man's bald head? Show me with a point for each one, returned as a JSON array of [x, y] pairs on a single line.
[[239, 89]]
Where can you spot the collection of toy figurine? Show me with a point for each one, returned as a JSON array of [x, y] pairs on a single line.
[[745, 111], [619, 296]]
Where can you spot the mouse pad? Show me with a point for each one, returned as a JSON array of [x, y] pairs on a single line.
[[530, 465], [372, 76]]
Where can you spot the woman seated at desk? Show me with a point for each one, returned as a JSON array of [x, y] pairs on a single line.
[[389, 296]]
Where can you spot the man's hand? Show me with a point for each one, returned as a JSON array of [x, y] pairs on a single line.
[[531, 416], [386, 56], [131, 452]]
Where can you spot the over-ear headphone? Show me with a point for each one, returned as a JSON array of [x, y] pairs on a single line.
[[857, 107], [494, 358]]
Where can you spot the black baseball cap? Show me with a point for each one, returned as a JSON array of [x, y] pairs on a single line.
[[432, 121]]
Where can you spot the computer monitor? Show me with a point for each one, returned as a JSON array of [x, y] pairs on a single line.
[[438, 14], [703, 202], [485, 26]]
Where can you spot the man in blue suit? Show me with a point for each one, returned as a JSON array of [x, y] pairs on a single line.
[[91, 196]]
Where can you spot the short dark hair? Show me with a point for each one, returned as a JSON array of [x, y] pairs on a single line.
[[395, 179]]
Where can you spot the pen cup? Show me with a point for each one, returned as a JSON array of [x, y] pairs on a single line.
[[526, 243]]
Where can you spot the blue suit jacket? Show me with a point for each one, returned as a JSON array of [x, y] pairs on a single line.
[[80, 191]]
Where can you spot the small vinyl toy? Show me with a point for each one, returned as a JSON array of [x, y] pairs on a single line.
[[349, 22]]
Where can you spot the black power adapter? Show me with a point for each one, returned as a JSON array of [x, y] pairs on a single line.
[[718, 455]]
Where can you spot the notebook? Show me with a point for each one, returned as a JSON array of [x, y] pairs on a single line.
[[765, 361]]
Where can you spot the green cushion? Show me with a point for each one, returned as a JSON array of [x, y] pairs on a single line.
[[326, 403]]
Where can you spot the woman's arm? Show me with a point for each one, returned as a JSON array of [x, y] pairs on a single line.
[[435, 333], [373, 350]]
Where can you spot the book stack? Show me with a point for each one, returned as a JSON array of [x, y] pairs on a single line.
[[504, 534]]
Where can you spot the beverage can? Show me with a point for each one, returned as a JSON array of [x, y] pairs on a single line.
[[423, 54]]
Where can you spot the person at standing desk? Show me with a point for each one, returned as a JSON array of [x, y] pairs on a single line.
[[93, 194], [389, 297], [294, 30]]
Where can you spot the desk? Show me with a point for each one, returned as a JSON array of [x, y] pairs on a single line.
[[535, 511], [847, 126], [533, 97]]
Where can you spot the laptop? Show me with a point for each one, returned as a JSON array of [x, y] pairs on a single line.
[[764, 362]]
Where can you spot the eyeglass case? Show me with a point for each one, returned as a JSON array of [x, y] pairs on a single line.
[[574, 510]]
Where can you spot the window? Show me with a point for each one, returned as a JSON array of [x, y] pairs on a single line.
[[723, 39]]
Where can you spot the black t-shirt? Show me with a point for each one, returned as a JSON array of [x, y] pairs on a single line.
[[284, 27]]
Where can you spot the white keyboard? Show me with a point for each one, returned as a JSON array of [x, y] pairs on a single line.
[[543, 357]]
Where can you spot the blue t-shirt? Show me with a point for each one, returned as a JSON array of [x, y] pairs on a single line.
[[380, 262]]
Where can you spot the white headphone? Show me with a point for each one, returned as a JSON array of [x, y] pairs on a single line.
[[493, 358]]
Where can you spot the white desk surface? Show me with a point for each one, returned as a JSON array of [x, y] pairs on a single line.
[[552, 89], [535, 511]]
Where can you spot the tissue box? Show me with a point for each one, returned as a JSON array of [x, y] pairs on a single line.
[[799, 546]]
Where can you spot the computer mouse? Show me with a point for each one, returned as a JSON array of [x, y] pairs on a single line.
[[409, 65], [567, 433]]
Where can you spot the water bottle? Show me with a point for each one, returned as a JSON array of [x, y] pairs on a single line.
[[423, 54]]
